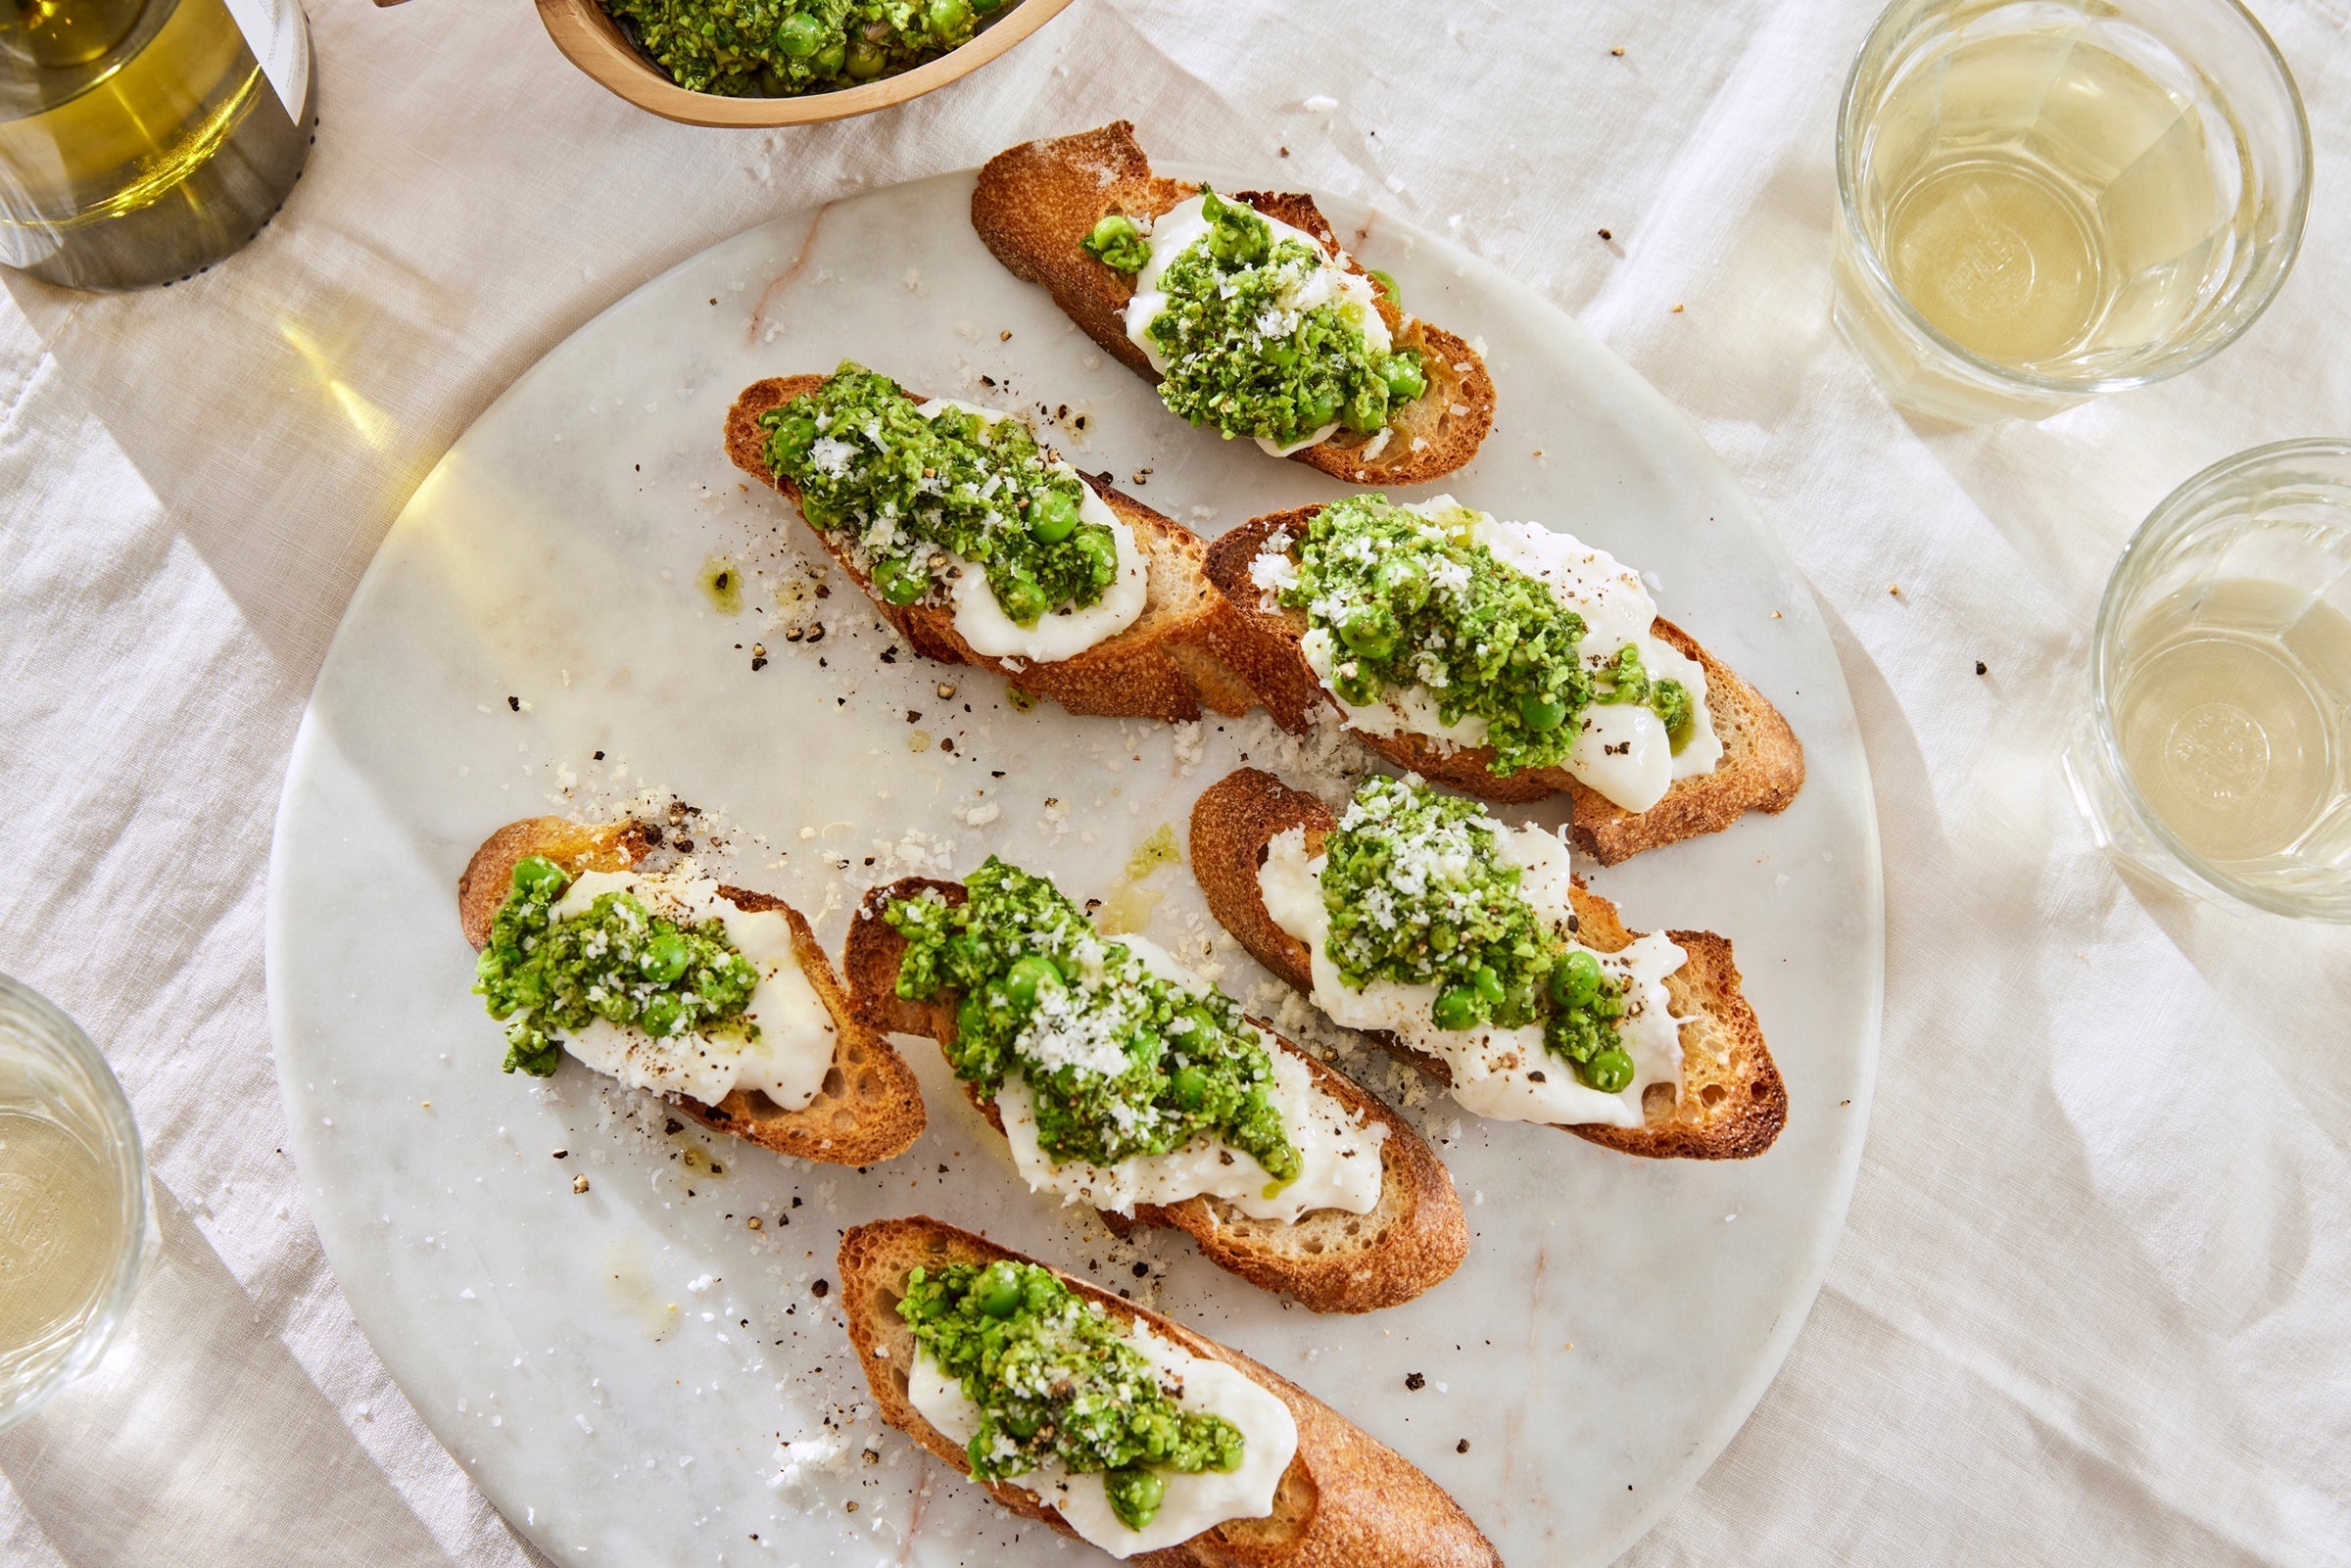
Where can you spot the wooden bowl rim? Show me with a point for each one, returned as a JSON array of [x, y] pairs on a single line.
[[592, 41]]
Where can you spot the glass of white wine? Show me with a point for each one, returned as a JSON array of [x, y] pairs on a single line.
[[2216, 755], [75, 1226], [2048, 199]]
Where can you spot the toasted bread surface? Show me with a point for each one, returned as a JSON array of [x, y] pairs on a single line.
[[1035, 203], [1168, 665], [1762, 764], [1731, 1102], [870, 1107], [1328, 1259], [1346, 1500]]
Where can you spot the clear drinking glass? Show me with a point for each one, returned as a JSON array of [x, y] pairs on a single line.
[[2046, 199], [75, 1226], [2214, 757]]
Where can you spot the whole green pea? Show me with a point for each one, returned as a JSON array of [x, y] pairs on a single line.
[[831, 58], [1191, 1088], [1540, 713], [800, 36], [1458, 1006], [665, 958], [1032, 975], [1575, 979], [1023, 600], [1610, 1072], [970, 1016], [866, 59], [1134, 1495], [997, 1290], [1488, 985], [946, 18], [1404, 378], [537, 876], [1403, 579], [1053, 516]]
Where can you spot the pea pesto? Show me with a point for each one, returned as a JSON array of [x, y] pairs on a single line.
[[783, 48], [1119, 1061], [913, 490], [1411, 601], [615, 959], [1418, 893], [1055, 1380], [1256, 340]]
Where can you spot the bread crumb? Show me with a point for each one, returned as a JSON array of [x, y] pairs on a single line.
[[578, 1183]]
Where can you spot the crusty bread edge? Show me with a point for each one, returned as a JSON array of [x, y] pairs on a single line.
[[1419, 1251], [1346, 1500], [1238, 816], [872, 1076]]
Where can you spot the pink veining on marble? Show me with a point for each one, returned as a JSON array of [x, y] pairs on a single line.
[[785, 279]]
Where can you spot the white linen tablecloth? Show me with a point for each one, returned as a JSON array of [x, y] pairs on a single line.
[[2093, 1302]]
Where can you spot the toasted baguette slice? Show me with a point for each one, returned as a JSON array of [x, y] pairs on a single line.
[[1328, 1259], [870, 1108], [1762, 764], [1034, 203], [1346, 1500], [1170, 664], [1731, 1102]]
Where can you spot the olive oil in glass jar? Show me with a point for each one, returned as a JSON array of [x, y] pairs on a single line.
[[143, 140]]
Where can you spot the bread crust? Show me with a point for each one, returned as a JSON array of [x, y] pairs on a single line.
[[870, 1108], [1346, 1500], [1328, 1260], [1731, 1102], [1035, 203], [1168, 665], [1762, 766]]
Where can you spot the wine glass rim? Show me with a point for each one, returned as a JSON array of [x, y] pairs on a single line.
[[129, 1155], [2155, 530], [2288, 248]]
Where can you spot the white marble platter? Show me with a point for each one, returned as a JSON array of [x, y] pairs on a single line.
[[632, 1373]]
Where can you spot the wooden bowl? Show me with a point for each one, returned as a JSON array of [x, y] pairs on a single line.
[[595, 44]]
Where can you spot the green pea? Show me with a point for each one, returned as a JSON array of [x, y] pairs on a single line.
[[1403, 378], [1388, 285], [1610, 1072], [1191, 1088], [1458, 1006], [1575, 979], [1134, 1495], [662, 1015], [1368, 409], [1540, 713], [821, 515], [1518, 1008], [1488, 985], [1362, 687], [997, 1290], [537, 876], [1022, 599], [1112, 232], [1369, 629], [829, 58], [865, 59], [1099, 548], [800, 36], [898, 583], [1032, 976], [1053, 516], [665, 958], [796, 435], [946, 18], [970, 1016], [1316, 408]]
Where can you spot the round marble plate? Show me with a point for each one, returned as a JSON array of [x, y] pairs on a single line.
[[654, 1369]]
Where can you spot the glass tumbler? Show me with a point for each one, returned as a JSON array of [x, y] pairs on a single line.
[[75, 1226], [2041, 200], [2216, 755]]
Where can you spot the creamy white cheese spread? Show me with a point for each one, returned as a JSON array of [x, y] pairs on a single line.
[[1622, 749], [1182, 226], [1506, 1074], [788, 1061], [1192, 1502]]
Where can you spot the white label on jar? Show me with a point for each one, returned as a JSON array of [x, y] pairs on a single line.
[[274, 31]]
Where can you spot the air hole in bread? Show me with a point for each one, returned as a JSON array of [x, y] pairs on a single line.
[[833, 1082], [844, 1121], [1354, 1227], [1314, 1245], [760, 1105], [1658, 1099], [886, 1303], [869, 1083], [1712, 1094]]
